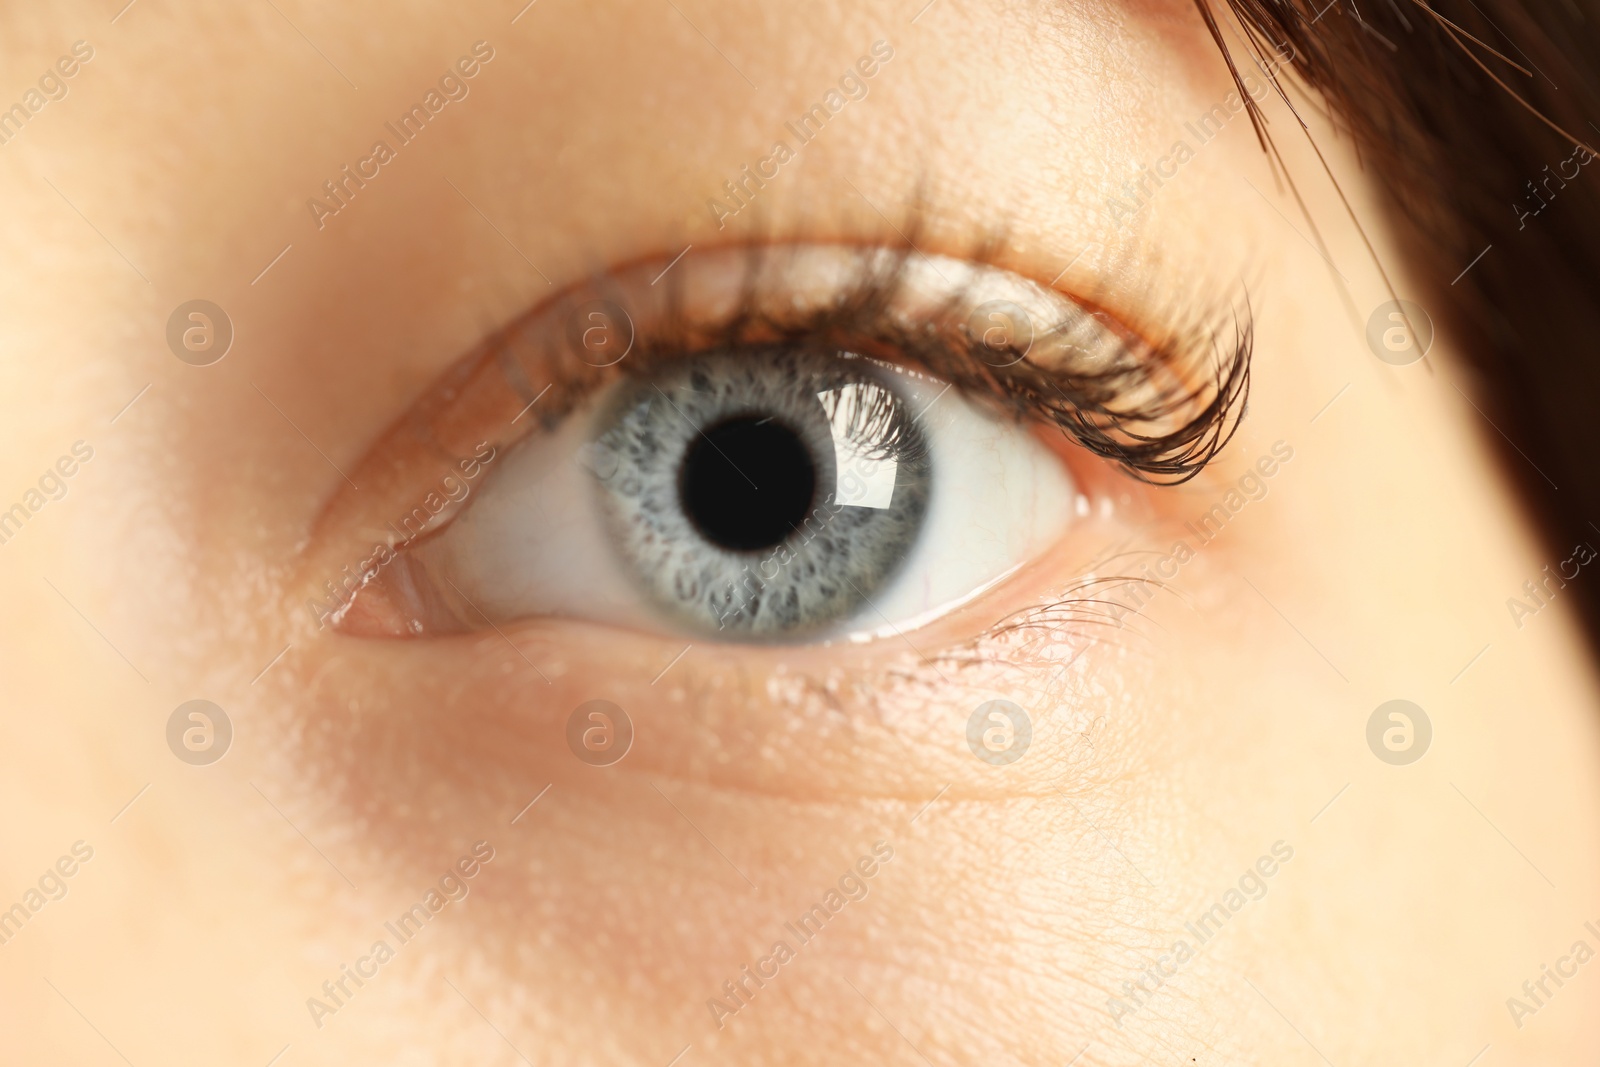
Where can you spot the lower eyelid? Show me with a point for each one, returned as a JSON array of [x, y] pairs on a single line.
[[814, 722]]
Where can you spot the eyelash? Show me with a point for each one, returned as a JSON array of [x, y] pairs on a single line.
[[1159, 410]]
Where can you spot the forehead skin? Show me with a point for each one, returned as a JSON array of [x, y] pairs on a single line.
[[179, 165]]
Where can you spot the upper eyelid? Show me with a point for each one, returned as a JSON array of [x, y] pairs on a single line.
[[530, 360]]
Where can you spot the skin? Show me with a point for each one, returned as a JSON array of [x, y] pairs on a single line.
[[1225, 716]]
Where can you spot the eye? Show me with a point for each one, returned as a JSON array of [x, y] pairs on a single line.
[[846, 444], [766, 494]]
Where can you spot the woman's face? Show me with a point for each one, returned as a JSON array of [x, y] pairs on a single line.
[[1194, 829]]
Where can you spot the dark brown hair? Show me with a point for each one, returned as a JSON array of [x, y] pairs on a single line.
[[1471, 116]]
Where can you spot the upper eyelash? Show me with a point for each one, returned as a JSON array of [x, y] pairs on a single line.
[[1160, 410]]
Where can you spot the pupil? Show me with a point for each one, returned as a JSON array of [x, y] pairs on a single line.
[[717, 476]]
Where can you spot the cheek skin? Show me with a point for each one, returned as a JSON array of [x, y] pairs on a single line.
[[756, 778]]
